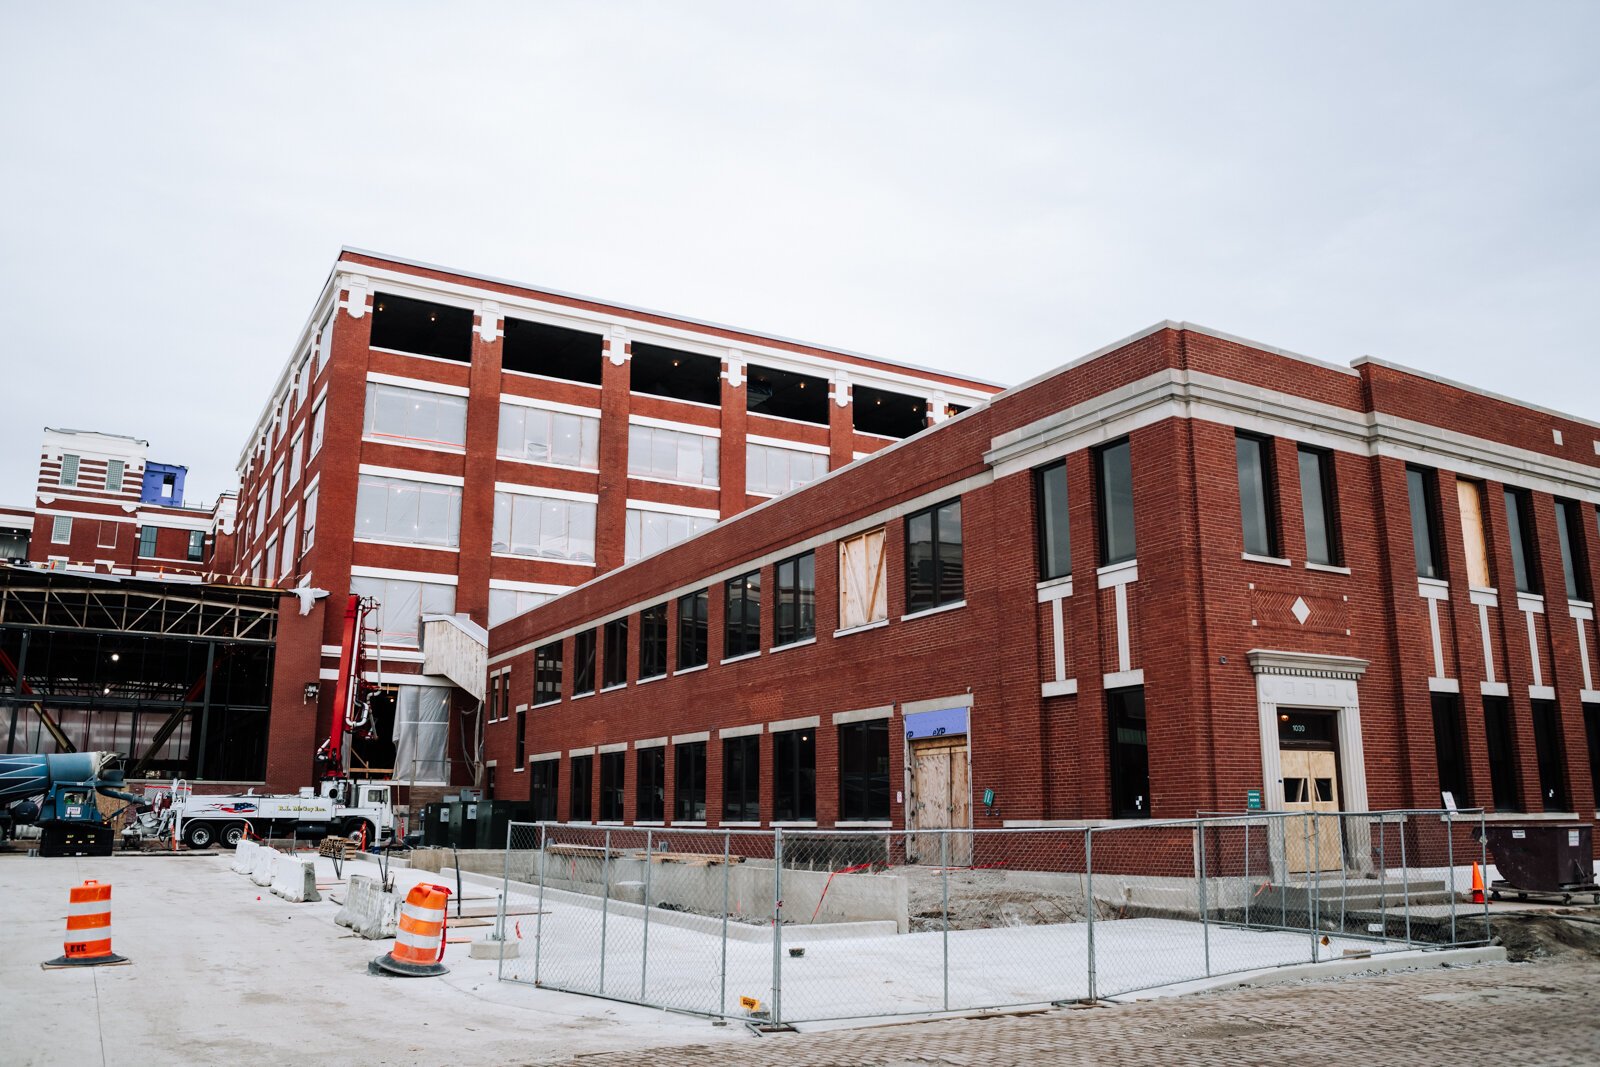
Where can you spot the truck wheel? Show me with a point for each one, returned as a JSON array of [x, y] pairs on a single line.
[[232, 834], [199, 835], [354, 827]]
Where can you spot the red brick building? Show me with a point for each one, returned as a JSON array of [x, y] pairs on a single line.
[[448, 443], [1178, 571]]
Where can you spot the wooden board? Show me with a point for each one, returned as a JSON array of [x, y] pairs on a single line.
[[1310, 784]]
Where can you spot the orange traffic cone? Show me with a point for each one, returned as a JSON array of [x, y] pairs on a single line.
[[88, 942], [1477, 884]]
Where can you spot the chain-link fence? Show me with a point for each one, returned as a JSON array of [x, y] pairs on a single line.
[[803, 925]]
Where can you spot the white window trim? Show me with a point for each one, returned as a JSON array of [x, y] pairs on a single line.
[[793, 446], [547, 405], [420, 384], [679, 427], [952, 606], [661, 508]]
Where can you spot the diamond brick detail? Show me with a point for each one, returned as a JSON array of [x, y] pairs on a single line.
[[1300, 610]]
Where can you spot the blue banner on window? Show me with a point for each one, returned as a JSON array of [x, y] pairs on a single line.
[[947, 722]]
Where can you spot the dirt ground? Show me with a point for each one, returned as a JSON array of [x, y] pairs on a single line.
[[1573, 934], [981, 900]]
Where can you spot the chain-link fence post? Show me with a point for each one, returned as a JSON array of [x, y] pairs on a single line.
[[1344, 879], [1200, 893], [500, 911], [722, 996], [1383, 873], [605, 906], [538, 920], [1450, 866], [1249, 895], [944, 888], [1313, 883], [1088, 872], [1483, 848], [777, 926], [1283, 858], [1405, 879], [644, 960]]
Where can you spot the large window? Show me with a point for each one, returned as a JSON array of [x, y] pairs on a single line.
[[197, 546], [509, 603], [1319, 505], [1591, 727], [548, 527], [771, 471], [614, 667], [1055, 537], [1524, 549], [1501, 750], [308, 535], [61, 530], [887, 414], [421, 327], [1422, 493], [863, 584], [422, 733], [795, 614], [69, 471], [650, 784], [864, 771], [1548, 748], [582, 806], [1450, 748], [552, 351], [613, 765], [583, 663], [555, 437], [794, 776], [1114, 494], [398, 509], [933, 557], [689, 798], [741, 778], [147, 542], [544, 777], [1258, 501], [786, 395], [674, 373], [649, 532], [1130, 754], [114, 472], [1474, 534], [674, 455], [1574, 560], [547, 673], [653, 641], [694, 612], [742, 618], [402, 603], [522, 736], [318, 418], [415, 416]]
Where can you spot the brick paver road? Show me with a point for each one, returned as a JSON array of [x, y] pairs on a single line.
[[1545, 1014]]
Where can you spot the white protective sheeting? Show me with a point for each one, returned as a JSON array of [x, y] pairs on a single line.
[[421, 733]]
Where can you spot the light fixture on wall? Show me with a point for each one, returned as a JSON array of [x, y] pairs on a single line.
[[312, 691]]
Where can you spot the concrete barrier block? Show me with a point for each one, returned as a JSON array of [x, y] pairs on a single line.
[[244, 857], [265, 865], [368, 911], [295, 879]]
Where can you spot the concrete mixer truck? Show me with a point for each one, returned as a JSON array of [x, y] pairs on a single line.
[[57, 792]]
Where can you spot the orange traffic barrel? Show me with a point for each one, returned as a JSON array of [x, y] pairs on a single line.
[[419, 943], [88, 942]]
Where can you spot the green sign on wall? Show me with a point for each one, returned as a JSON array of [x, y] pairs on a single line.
[[1252, 799]]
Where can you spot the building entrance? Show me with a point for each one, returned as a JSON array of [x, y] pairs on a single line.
[[941, 799], [1308, 754]]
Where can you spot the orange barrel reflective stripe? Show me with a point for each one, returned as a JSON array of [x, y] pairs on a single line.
[[419, 942], [88, 940]]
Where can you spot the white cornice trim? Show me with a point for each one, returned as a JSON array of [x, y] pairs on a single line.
[[1305, 664]]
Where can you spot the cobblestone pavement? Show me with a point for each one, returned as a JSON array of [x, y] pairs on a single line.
[[1545, 1014]]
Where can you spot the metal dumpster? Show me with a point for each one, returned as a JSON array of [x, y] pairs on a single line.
[[1547, 859]]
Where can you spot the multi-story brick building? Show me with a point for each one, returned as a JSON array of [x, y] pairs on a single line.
[[1178, 572], [453, 444], [101, 504]]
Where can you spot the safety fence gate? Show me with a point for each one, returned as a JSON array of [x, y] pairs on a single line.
[[784, 925]]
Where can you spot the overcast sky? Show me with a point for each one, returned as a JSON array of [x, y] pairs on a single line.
[[992, 189]]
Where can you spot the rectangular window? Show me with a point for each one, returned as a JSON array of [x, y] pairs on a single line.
[[69, 470], [509, 603], [1114, 492], [649, 532], [402, 603], [324, 345], [653, 642], [887, 414], [197, 545], [864, 771], [415, 416], [272, 560], [107, 536], [296, 461], [582, 804], [1319, 505], [308, 537], [1422, 492], [772, 471], [673, 455], [1548, 748], [614, 668], [1450, 748], [1574, 558], [741, 778], [863, 583], [277, 488], [61, 530], [613, 765], [742, 619], [1055, 537], [1130, 754], [1591, 727], [544, 777], [421, 327], [1524, 550], [583, 663], [694, 609], [650, 784], [1501, 751], [794, 776], [1474, 535], [786, 395], [933, 557], [674, 373], [551, 351], [795, 615], [559, 438], [548, 527], [689, 798], [147, 542], [398, 509], [114, 472], [318, 417], [547, 673], [522, 735], [1258, 503]]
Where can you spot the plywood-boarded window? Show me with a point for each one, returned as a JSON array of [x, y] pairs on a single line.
[[863, 584], [1471, 495]]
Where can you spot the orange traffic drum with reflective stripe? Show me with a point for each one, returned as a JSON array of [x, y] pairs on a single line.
[[88, 941]]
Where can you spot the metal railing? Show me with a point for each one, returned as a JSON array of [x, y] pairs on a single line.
[[784, 925]]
